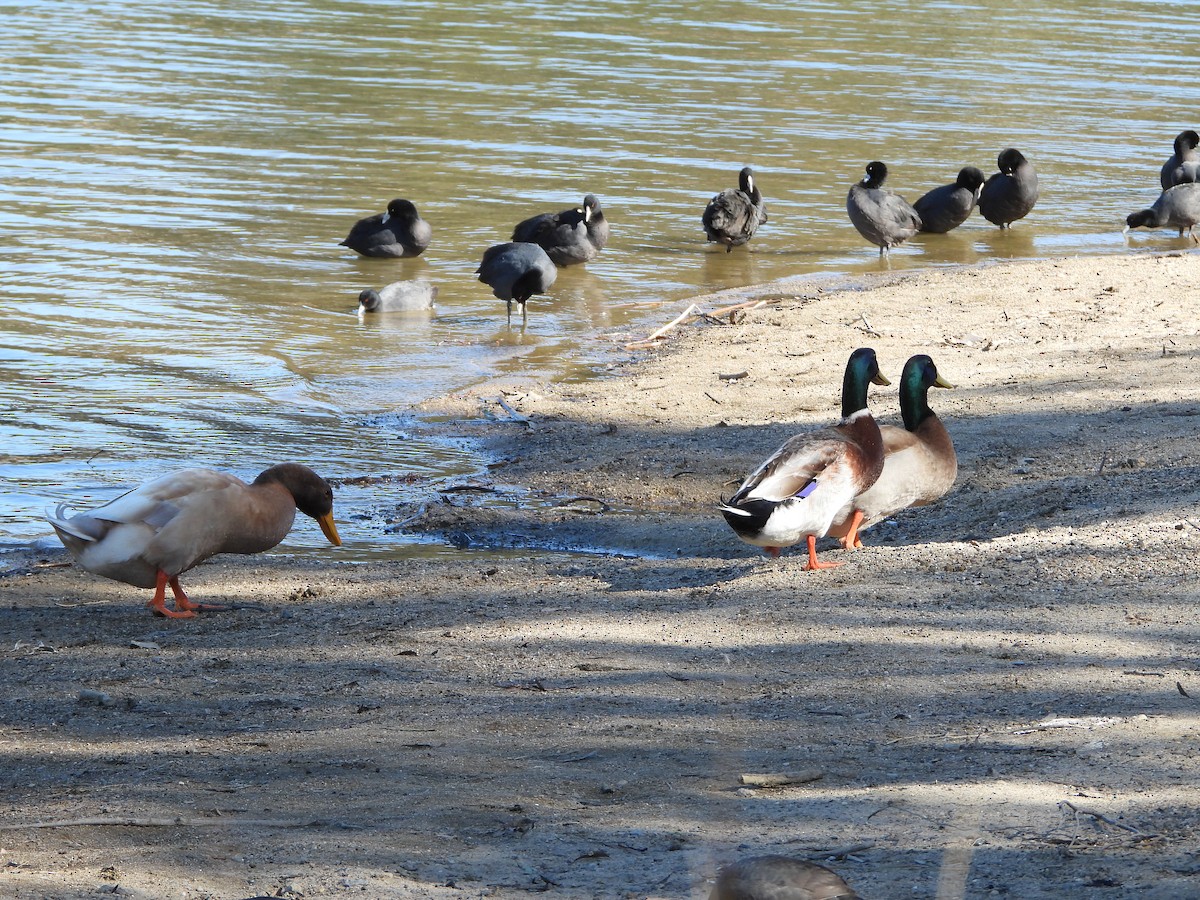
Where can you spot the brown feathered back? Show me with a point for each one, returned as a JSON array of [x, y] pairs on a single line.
[[780, 878]]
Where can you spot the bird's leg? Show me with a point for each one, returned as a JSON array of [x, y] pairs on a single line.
[[183, 603], [509, 311], [851, 541], [160, 593], [772, 552], [814, 563]]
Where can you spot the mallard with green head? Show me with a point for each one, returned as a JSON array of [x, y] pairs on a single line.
[[797, 493], [919, 463]]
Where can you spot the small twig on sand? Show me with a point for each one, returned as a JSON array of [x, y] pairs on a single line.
[[1099, 817], [584, 498], [835, 852], [866, 325], [780, 779], [460, 488], [737, 307]]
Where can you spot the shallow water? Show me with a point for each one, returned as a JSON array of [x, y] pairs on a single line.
[[177, 177]]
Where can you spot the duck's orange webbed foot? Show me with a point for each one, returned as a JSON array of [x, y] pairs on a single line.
[[184, 608], [814, 563], [187, 606], [157, 604], [852, 541]]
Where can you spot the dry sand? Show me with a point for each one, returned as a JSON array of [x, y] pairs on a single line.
[[998, 697]]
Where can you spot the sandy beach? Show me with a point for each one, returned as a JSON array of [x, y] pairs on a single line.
[[999, 696]]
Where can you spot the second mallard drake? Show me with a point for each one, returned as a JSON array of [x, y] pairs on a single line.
[[797, 493], [919, 463]]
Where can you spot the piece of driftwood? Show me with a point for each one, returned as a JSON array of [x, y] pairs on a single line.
[[694, 312], [690, 313], [1098, 816], [512, 413], [780, 779]]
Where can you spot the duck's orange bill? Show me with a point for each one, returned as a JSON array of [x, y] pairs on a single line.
[[329, 529]]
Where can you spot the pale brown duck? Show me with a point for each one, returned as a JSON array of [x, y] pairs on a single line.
[[150, 535]]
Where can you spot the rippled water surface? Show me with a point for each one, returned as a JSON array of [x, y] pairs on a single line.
[[177, 175]]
